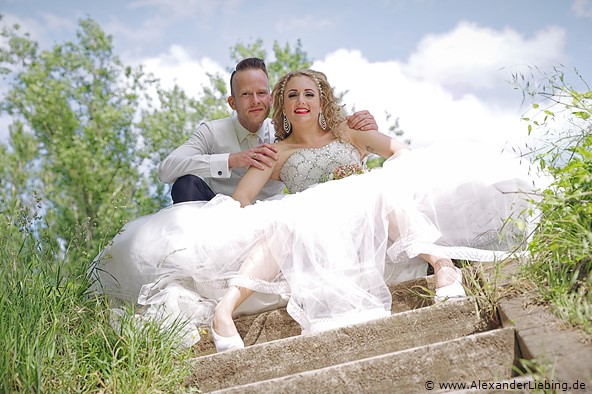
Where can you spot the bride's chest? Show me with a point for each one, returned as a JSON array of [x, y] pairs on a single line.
[[305, 167]]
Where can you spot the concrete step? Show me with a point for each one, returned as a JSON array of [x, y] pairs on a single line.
[[277, 324], [485, 356], [294, 355]]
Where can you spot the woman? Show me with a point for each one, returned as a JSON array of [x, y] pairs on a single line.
[[324, 247]]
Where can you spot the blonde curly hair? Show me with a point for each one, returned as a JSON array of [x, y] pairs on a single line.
[[330, 108]]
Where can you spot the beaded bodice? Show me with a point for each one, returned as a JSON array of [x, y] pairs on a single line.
[[308, 166]]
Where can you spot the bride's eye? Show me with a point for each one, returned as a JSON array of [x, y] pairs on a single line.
[[292, 94], [310, 94]]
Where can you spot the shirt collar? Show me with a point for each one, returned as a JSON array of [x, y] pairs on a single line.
[[242, 133]]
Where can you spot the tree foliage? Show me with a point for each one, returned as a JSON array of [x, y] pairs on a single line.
[[88, 131], [73, 137]]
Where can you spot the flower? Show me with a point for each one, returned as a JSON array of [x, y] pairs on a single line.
[[344, 171]]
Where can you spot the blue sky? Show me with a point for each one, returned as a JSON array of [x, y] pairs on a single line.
[[441, 66]]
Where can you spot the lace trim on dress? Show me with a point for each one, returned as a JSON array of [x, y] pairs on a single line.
[[250, 282], [260, 285], [403, 253]]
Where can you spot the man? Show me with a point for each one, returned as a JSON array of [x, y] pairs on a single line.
[[219, 152]]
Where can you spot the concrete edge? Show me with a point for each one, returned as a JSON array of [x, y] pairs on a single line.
[[546, 339], [542, 337], [210, 369], [377, 374]]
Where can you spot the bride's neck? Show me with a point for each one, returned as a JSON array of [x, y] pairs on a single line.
[[308, 137]]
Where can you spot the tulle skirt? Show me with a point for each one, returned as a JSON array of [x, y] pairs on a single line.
[[330, 251]]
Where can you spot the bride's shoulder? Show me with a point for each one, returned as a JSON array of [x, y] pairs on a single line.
[[284, 150], [286, 147]]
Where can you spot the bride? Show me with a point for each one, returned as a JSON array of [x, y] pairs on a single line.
[[322, 248]]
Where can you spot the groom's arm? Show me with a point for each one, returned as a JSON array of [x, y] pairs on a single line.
[[361, 120]]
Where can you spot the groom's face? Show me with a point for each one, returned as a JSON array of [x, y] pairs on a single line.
[[251, 99]]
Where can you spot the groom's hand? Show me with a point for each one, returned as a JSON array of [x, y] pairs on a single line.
[[361, 120], [265, 154]]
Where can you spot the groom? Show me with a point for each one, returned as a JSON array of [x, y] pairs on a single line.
[[219, 152]]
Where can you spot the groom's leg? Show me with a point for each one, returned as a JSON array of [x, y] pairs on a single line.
[[191, 188]]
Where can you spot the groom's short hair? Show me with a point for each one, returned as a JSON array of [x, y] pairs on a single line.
[[251, 63]]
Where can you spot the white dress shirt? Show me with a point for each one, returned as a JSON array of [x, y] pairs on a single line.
[[206, 152]]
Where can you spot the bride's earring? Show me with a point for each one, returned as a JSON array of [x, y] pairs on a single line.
[[322, 121], [287, 125]]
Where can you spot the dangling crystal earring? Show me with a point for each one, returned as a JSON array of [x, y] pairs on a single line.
[[322, 121], [287, 125]]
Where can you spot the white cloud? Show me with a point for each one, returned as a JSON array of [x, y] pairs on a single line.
[[421, 93], [474, 56], [177, 67], [427, 112], [582, 8]]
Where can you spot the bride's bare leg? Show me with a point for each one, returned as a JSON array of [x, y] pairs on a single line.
[[448, 277], [443, 277], [223, 329], [259, 264], [222, 322]]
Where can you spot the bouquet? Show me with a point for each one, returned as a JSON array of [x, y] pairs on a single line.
[[344, 171]]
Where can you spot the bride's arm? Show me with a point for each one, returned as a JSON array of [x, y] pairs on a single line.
[[375, 142], [252, 183]]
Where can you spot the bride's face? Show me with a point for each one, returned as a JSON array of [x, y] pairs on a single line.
[[302, 102]]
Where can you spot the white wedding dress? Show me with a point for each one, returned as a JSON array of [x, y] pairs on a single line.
[[327, 249]]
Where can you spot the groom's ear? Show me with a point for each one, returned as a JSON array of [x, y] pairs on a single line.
[[231, 102]]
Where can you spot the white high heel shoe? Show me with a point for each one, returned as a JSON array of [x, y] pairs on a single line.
[[226, 343], [452, 291]]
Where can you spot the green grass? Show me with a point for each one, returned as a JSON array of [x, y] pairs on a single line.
[[561, 263], [561, 267], [54, 338]]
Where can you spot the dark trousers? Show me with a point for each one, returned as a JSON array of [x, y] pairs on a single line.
[[191, 188]]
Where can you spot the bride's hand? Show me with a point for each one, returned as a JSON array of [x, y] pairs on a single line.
[[265, 154]]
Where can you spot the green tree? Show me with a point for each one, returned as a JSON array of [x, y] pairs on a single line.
[[73, 108], [79, 142], [283, 61]]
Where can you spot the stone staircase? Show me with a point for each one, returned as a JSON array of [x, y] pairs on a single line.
[[416, 349]]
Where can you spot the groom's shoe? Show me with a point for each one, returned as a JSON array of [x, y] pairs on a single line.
[[226, 343], [452, 291]]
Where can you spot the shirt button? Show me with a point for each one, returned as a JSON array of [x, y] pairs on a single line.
[[219, 172]]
